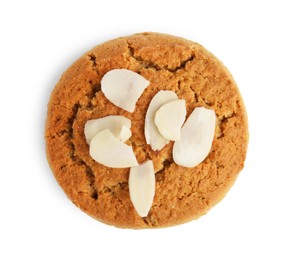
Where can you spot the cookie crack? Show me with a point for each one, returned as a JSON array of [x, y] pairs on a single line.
[[183, 63], [146, 64], [195, 94], [143, 63], [197, 97], [75, 158], [112, 189], [221, 121], [160, 175], [92, 58], [95, 88], [206, 103]]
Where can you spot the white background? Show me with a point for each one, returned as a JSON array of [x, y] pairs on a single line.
[[257, 41]]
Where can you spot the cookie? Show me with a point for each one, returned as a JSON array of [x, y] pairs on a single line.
[[168, 63]]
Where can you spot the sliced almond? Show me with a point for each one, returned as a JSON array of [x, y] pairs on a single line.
[[152, 135], [125, 133], [169, 119], [114, 123], [106, 149], [196, 138], [142, 187], [123, 88]]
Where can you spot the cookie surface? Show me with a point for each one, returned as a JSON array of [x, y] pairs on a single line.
[[169, 63]]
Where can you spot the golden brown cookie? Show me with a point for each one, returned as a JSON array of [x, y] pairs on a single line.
[[169, 63]]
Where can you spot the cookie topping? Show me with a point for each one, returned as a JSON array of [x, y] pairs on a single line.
[[118, 125], [142, 187], [196, 138], [152, 134], [106, 149], [163, 123], [123, 88], [169, 119], [125, 133]]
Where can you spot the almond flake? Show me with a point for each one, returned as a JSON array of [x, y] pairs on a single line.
[[106, 149], [123, 88], [169, 119], [152, 135], [114, 123], [196, 138], [142, 187]]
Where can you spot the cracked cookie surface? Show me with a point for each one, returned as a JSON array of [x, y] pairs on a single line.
[[169, 63]]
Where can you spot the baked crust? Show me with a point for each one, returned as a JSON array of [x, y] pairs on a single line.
[[169, 63]]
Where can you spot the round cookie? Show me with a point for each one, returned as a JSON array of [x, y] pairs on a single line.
[[169, 63]]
